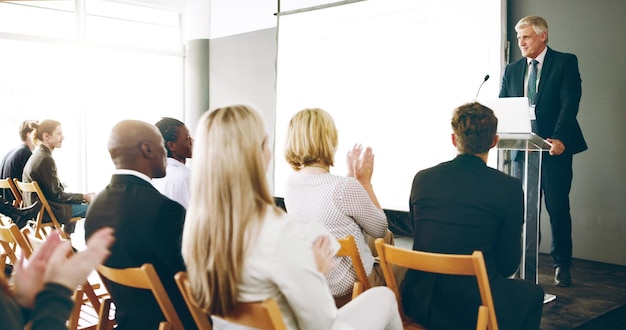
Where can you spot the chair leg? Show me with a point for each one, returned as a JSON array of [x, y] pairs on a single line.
[[75, 315]]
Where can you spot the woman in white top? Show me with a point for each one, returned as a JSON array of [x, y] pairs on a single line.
[[239, 247], [345, 205]]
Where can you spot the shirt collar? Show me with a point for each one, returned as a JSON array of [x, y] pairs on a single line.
[[133, 172]]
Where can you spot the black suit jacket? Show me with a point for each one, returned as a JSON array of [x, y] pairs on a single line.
[[558, 97], [458, 207], [42, 168], [148, 229]]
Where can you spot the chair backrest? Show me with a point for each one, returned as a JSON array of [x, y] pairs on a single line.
[[13, 242], [348, 248], [199, 316], [8, 183], [264, 315], [33, 187], [449, 264], [144, 277]]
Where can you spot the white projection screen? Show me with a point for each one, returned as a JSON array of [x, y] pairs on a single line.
[[390, 72]]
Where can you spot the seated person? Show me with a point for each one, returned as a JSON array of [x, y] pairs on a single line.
[[42, 287], [13, 163], [240, 247], [345, 205], [148, 225], [178, 142], [460, 206], [42, 168]]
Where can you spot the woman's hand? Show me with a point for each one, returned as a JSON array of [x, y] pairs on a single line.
[[322, 251], [353, 159], [73, 271]]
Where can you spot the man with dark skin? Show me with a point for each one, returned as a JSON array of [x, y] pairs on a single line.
[[148, 225]]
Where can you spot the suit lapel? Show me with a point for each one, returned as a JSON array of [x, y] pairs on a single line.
[[545, 71]]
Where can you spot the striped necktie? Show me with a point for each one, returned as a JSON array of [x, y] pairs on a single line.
[[532, 82]]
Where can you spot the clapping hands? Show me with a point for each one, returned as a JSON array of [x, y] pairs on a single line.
[[360, 163]]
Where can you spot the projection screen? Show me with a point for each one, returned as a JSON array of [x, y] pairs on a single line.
[[390, 72]]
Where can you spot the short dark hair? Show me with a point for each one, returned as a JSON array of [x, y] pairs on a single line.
[[474, 126], [169, 130]]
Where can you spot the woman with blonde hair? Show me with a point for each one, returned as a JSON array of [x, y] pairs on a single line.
[[345, 205], [239, 247]]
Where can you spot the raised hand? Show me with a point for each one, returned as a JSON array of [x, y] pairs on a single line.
[[353, 158], [323, 253]]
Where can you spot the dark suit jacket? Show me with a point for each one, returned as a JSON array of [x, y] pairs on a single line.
[[13, 166], [41, 167], [458, 207], [148, 229], [558, 97]]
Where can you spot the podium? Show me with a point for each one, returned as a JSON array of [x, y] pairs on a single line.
[[519, 155]]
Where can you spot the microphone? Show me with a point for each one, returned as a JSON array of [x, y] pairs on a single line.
[[481, 86]]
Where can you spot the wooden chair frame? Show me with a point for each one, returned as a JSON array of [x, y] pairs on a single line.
[[85, 294], [199, 316], [13, 241], [33, 187], [8, 183], [450, 264], [264, 315], [144, 277], [348, 248]]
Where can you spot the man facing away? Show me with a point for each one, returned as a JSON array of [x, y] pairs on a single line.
[[13, 163], [461, 206], [555, 97], [178, 142], [148, 226]]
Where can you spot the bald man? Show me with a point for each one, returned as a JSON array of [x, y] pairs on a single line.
[[148, 226]]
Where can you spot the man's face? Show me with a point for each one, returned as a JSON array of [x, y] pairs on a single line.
[[184, 143], [530, 43], [55, 140]]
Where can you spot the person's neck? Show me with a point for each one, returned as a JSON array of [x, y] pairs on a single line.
[[315, 168], [30, 145], [51, 148]]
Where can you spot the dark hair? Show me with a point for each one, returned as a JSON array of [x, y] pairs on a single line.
[[26, 127], [169, 130], [474, 127], [45, 126]]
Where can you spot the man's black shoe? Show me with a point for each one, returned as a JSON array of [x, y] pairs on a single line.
[[27, 213], [562, 277]]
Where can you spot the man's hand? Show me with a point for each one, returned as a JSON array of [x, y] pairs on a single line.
[[557, 147]]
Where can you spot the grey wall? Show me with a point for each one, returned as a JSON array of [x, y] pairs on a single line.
[[594, 31], [242, 69]]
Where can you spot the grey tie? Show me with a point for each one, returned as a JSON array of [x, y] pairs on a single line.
[[532, 82]]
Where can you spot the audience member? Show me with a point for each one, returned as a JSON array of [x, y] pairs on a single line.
[[13, 163], [178, 143], [42, 168], [240, 247], [344, 205], [148, 225], [42, 287], [19, 216], [461, 206]]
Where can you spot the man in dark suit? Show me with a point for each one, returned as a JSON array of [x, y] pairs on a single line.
[[461, 206], [148, 226], [555, 97]]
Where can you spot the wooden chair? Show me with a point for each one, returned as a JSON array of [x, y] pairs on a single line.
[[40, 232], [13, 244], [449, 264], [349, 249], [199, 316], [144, 277], [87, 300], [8, 183], [264, 315]]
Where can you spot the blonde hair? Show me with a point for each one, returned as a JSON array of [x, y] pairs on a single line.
[[44, 126], [311, 138], [229, 198], [538, 24]]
